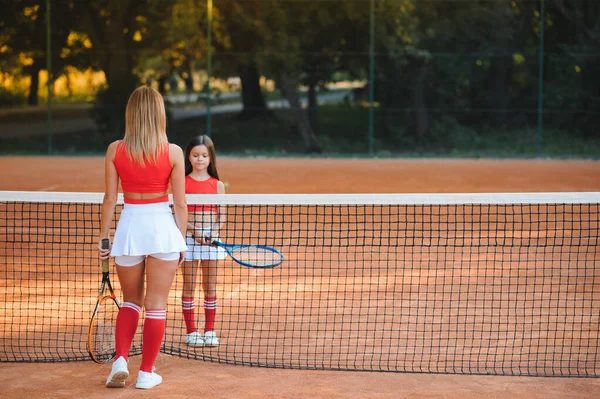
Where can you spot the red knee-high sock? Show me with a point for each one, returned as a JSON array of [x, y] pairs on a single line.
[[187, 304], [154, 331], [126, 326], [210, 311]]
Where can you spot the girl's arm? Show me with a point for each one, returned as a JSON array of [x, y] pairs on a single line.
[[178, 188], [111, 184]]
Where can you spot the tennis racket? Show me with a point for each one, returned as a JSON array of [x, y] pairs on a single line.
[[256, 256], [101, 334]]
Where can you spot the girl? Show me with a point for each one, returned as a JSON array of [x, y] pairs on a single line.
[[204, 224], [149, 243]]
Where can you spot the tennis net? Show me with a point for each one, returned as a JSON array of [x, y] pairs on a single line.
[[505, 284]]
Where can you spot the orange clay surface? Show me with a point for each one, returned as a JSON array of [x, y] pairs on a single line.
[[191, 378]]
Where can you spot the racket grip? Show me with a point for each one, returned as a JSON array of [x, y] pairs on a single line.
[[105, 244]]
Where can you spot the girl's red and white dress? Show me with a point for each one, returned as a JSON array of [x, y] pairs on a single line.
[[195, 250]]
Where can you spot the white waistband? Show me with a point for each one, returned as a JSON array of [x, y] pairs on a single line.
[[147, 208]]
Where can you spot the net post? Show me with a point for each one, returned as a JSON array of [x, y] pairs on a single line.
[[209, 10], [371, 73], [49, 68], [541, 80]]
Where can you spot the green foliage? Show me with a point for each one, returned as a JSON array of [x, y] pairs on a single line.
[[9, 98], [450, 75]]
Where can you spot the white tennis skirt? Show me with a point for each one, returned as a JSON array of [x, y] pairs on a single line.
[[145, 229], [196, 251]]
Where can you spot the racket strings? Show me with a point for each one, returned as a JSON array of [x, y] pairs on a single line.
[[102, 337], [256, 256]]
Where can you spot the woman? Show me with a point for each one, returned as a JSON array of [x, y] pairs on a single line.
[[148, 241]]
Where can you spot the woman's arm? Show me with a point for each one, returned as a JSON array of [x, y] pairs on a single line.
[[178, 188], [111, 184]]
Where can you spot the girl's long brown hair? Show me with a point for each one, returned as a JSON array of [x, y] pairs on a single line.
[[145, 125], [205, 141]]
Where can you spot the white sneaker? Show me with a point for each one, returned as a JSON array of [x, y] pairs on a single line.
[[147, 380], [118, 374], [210, 339], [194, 339]]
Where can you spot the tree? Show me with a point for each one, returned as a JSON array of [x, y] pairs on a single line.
[[116, 30], [574, 33], [458, 58], [25, 32], [262, 36], [330, 33], [180, 39], [281, 57], [237, 48]]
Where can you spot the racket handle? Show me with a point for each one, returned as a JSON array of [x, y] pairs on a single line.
[[105, 244]]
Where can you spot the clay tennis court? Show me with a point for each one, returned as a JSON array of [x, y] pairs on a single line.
[[184, 378]]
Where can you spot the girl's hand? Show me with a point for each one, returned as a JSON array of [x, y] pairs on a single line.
[[203, 237], [103, 254], [181, 257]]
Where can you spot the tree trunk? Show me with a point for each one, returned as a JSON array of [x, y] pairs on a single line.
[[252, 97], [119, 61], [110, 43], [313, 107], [32, 98], [288, 87], [422, 115]]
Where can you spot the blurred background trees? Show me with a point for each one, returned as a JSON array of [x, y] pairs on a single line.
[[448, 74]]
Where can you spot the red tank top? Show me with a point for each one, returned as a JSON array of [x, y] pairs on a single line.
[[149, 178], [208, 186]]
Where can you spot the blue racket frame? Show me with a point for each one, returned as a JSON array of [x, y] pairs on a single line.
[[229, 248]]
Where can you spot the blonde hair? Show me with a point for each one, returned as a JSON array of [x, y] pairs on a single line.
[[145, 125]]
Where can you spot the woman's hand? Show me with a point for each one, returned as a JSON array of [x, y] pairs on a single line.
[[103, 254], [181, 257]]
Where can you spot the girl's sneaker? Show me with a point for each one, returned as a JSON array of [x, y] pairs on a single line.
[[210, 339], [194, 339]]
